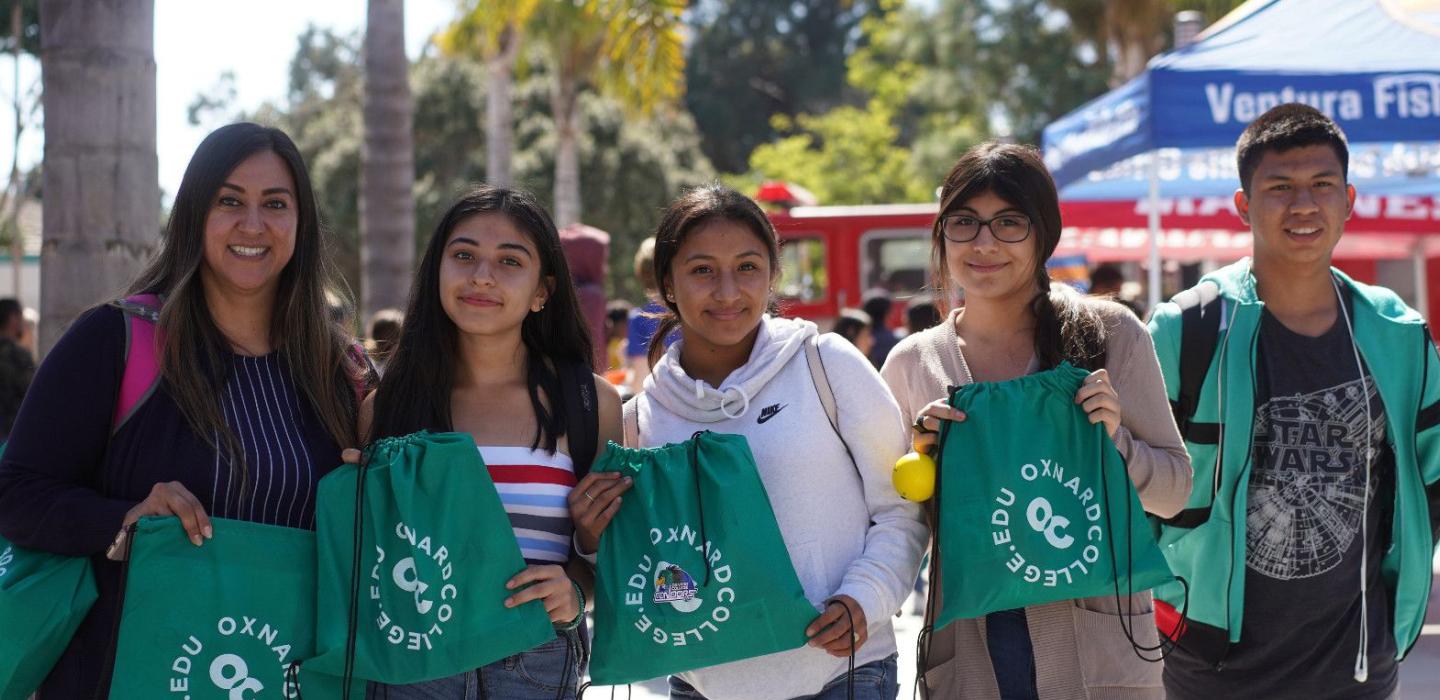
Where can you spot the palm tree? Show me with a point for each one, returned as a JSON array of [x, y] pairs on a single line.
[[387, 162], [101, 180], [630, 49], [494, 30], [1126, 33]]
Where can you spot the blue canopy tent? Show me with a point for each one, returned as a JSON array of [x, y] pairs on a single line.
[[1372, 65]]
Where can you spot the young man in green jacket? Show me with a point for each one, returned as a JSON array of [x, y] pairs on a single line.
[[1310, 404]]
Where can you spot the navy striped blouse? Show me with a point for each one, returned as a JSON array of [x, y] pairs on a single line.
[[263, 410]]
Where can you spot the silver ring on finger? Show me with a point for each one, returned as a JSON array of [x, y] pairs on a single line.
[[854, 638], [587, 495]]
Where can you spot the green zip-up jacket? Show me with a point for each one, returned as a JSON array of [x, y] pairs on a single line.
[[1395, 343]]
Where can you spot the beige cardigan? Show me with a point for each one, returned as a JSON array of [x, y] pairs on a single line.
[[1081, 653]]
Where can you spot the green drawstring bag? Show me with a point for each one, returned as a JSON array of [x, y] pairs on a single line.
[[412, 583], [692, 571], [1035, 503], [223, 621], [43, 599]]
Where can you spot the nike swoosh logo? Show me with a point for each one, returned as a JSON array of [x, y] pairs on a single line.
[[769, 412]]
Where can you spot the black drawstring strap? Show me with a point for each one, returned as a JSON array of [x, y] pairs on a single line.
[[700, 500], [850, 670], [571, 652], [922, 642], [109, 673], [358, 535], [1165, 645], [587, 685], [292, 679]]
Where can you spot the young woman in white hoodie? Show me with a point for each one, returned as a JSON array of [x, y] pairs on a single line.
[[855, 544]]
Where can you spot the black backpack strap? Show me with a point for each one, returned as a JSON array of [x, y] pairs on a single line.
[[582, 416], [1200, 312], [1200, 315]]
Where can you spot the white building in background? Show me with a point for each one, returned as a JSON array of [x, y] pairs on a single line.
[[28, 291]]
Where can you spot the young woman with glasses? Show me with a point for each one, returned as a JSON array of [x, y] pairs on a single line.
[[999, 222]]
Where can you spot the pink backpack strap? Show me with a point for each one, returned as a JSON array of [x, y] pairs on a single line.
[[142, 355], [362, 362]]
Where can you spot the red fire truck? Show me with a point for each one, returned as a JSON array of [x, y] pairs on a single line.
[[833, 255]]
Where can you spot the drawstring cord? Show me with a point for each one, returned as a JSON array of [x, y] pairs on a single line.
[[922, 642], [354, 612], [725, 401], [850, 670], [1362, 653], [699, 497], [1165, 646]]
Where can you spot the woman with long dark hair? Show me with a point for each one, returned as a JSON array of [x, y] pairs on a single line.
[[854, 543], [244, 340], [999, 222], [494, 345]]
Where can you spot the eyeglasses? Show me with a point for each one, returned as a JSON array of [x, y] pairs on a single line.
[[1007, 228]]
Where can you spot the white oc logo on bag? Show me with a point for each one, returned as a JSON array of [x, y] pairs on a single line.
[[434, 606]]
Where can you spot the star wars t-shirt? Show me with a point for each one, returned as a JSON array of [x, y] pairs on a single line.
[[1306, 504]]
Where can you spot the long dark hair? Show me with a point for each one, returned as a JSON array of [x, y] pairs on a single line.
[[698, 206], [1066, 327], [314, 350], [414, 392]]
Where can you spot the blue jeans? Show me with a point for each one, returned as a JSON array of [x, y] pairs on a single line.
[[538, 673], [876, 680], [1008, 637]]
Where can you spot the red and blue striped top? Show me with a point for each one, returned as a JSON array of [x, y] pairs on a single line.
[[533, 487]]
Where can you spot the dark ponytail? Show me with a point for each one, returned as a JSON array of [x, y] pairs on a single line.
[[685, 215], [1067, 327]]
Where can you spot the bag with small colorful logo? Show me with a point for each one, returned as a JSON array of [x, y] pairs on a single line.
[[224, 620], [692, 571], [1035, 502], [412, 583]]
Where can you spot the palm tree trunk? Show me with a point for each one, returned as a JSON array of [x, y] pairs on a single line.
[[13, 188], [102, 190], [564, 105], [387, 163], [500, 110]]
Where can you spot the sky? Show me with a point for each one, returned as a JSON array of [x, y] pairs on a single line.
[[197, 41]]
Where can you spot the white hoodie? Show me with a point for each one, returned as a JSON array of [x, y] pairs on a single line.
[[844, 539]]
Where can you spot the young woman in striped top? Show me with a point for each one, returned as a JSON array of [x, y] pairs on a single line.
[[494, 345], [255, 400]]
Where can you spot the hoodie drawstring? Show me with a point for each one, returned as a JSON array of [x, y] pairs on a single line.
[[1362, 653], [700, 501], [725, 400]]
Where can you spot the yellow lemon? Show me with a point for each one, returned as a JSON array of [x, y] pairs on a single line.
[[914, 477]]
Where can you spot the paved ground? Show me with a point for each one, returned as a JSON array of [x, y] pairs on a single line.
[[1419, 675]]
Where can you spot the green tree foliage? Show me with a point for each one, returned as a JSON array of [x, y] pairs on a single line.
[[29, 26], [1123, 34], [639, 165], [1000, 69], [848, 155], [635, 165], [752, 59]]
